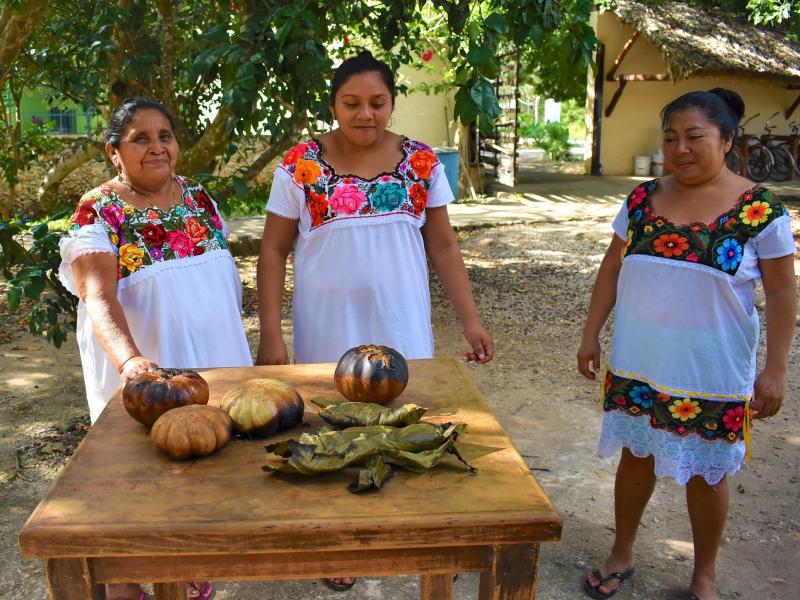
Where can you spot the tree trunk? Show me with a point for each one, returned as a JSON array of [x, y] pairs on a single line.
[[214, 140], [15, 27], [259, 163], [48, 190]]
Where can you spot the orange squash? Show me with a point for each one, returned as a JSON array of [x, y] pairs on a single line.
[[191, 430], [149, 395]]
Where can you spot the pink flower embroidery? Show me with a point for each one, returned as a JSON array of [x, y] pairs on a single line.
[[347, 199], [637, 196], [691, 257], [217, 222], [733, 418], [113, 216], [181, 243]]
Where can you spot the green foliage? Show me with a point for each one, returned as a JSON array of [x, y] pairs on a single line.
[[552, 137], [31, 269], [17, 155]]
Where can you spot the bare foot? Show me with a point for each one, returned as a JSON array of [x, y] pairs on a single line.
[[340, 584], [704, 588]]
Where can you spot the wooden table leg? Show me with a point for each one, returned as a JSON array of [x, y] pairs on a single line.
[[70, 579], [513, 573], [436, 587], [170, 591]]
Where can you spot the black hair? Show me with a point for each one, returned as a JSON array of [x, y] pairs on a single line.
[[123, 115], [722, 107], [364, 62]]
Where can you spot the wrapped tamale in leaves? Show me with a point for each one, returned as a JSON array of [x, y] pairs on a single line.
[[342, 415], [417, 447]]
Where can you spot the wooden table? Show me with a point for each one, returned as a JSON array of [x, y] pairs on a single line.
[[121, 511]]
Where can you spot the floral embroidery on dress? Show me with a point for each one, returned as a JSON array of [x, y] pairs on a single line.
[[681, 416], [719, 244], [331, 196], [144, 237]]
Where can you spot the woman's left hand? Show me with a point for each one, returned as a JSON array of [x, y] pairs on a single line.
[[481, 343], [768, 394]]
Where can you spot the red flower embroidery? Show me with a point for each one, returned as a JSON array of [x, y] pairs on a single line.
[[422, 162], [294, 154], [419, 197], [84, 214], [318, 207], [637, 196], [204, 202], [154, 235], [671, 244], [196, 231]]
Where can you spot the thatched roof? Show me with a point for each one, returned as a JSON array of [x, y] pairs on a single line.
[[708, 40]]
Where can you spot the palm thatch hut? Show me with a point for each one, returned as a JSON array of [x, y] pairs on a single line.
[[650, 53]]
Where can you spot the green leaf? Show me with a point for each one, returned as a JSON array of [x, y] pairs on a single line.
[[14, 295], [478, 56], [35, 287], [39, 231], [482, 93], [203, 63], [246, 76], [496, 22], [240, 188], [465, 108]]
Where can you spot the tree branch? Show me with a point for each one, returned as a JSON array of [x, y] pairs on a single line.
[[15, 27], [48, 189]]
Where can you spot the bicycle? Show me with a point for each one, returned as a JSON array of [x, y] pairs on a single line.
[[747, 156], [783, 160]]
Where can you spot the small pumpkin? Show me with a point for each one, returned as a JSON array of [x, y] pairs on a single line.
[[191, 430], [263, 406], [152, 393], [371, 373]]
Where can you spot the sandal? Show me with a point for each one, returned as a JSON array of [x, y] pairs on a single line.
[[203, 589], [594, 590], [337, 586]]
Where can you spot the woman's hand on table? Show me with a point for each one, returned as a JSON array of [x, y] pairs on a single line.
[[272, 352], [589, 358], [136, 365], [768, 393], [481, 343]]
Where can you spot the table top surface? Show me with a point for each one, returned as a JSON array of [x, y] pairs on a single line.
[[119, 496]]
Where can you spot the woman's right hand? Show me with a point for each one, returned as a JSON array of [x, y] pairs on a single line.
[[589, 358], [272, 352], [136, 366]]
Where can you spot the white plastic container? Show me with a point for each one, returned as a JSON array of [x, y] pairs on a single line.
[[657, 164], [641, 166]]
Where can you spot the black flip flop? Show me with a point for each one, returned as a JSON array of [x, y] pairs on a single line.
[[594, 591], [339, 587]]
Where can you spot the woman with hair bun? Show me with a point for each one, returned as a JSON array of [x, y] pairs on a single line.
[[362, 205], [682, 380]]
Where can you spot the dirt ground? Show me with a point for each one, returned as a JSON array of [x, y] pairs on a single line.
[[532, 284]]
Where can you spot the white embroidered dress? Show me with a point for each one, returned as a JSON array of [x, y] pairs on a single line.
[[686, 333], [360, 268], [177, 283]]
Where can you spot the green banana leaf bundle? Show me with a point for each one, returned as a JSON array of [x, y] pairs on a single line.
[[377, 448], [342, 415]]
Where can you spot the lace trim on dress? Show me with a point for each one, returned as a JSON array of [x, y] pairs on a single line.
[[187, 262], [679, 458]]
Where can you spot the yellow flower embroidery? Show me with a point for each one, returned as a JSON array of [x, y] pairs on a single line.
[[130, 257], [648, 229], [756, 213], [685, 409], [128, 210], [114, 239], [628, 244]]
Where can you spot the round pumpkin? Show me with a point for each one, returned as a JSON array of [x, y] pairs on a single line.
[[149, 395], [371, 373], [191, 430], [263, 406]]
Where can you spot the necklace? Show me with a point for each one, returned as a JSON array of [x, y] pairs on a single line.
[[143, 195]]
